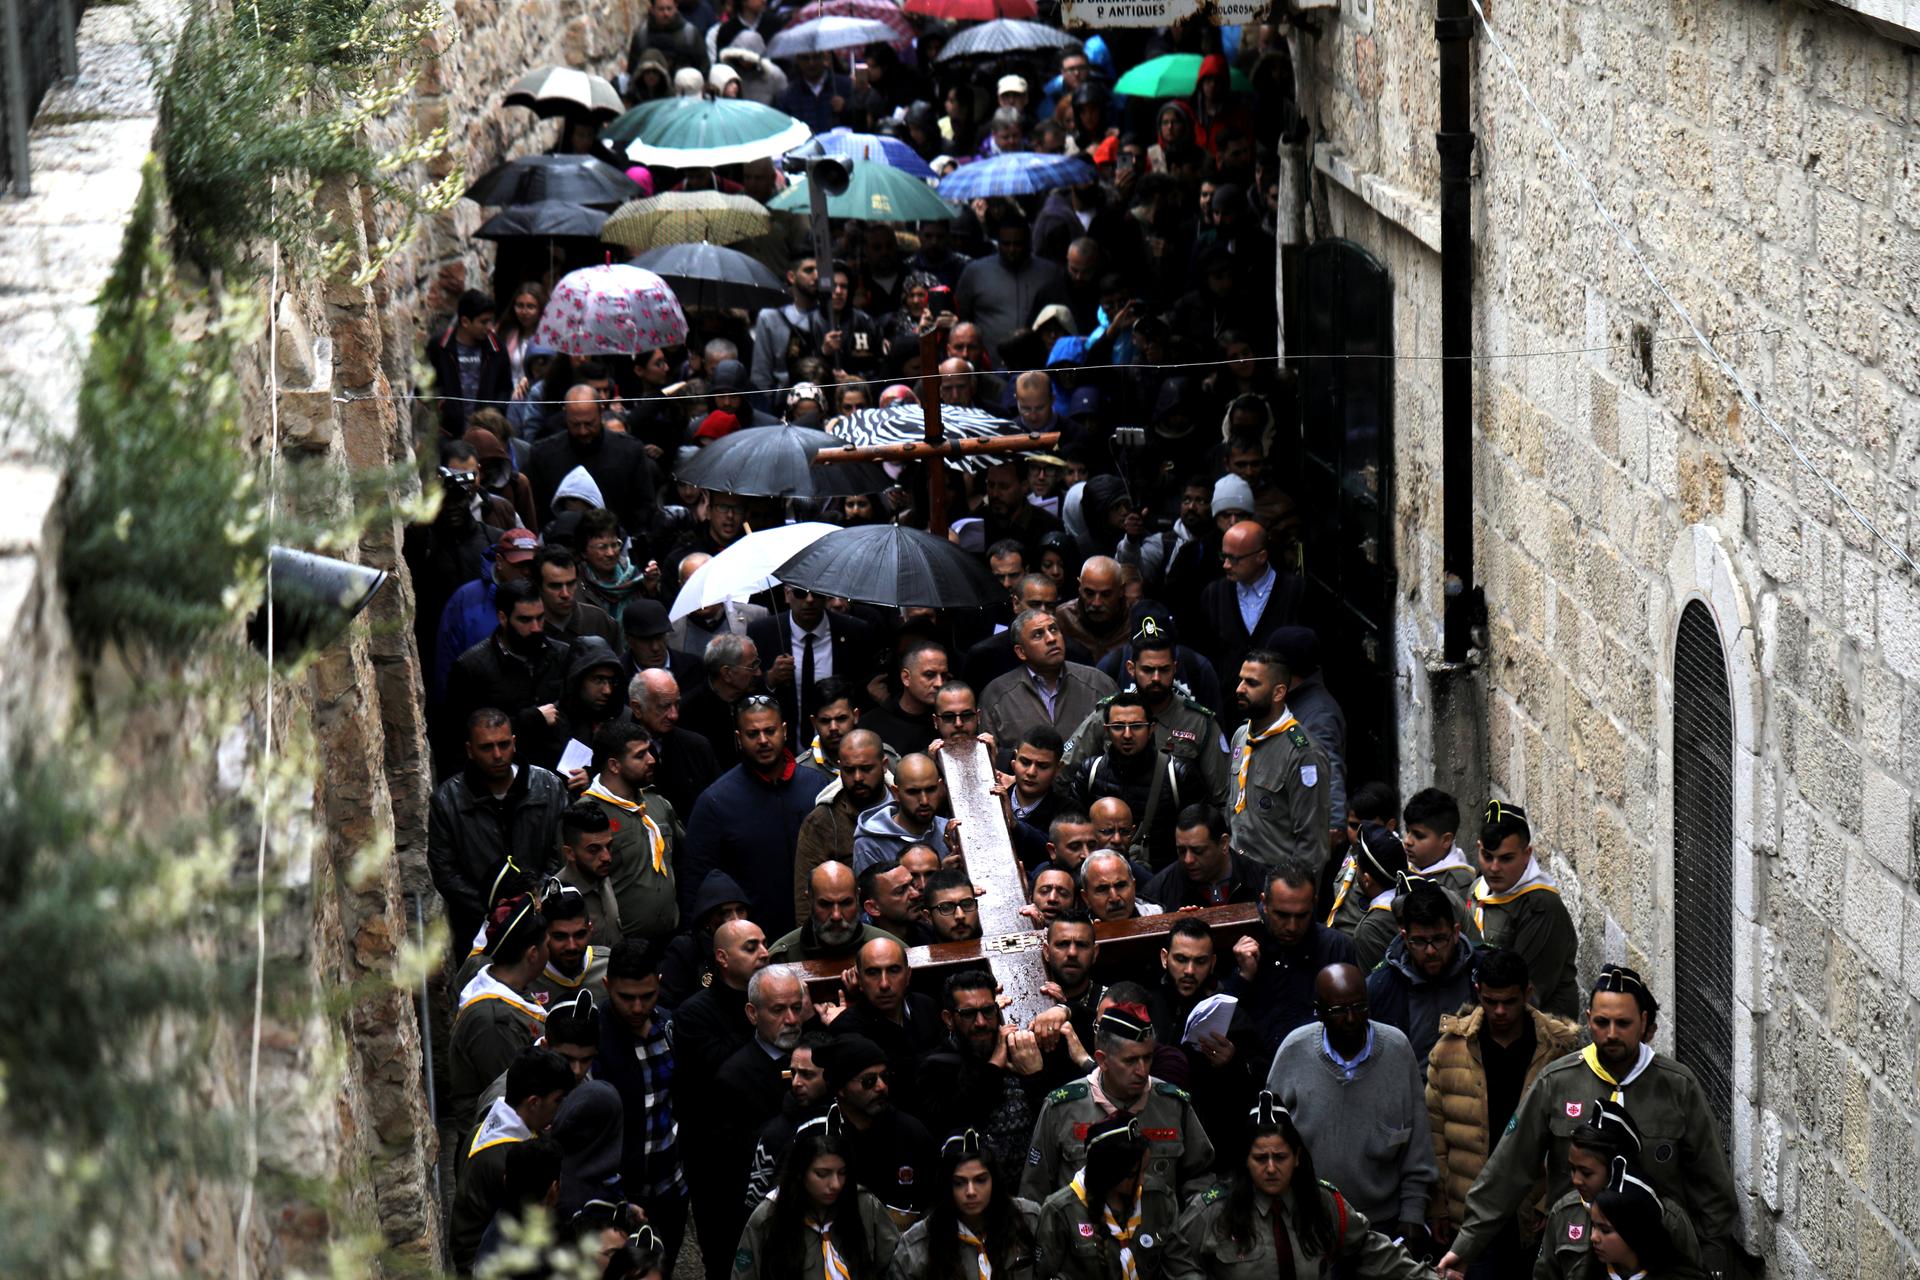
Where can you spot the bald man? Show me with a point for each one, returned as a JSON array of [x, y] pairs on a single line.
[[883, 1008], [956, 382], [1251, 600], [617, 461], [826, 834], [834, 929], [912, 817], [1097, 616]]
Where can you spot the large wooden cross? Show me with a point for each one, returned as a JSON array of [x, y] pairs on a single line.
[[1009, 944]]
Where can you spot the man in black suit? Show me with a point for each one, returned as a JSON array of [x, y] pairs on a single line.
[[803, 645], [616, 461], [1250, 601]]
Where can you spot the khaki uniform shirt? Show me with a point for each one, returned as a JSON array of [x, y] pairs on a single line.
[[1680, 1148], [1283, 811], [1182, 1154], [1202, 1250], [553, 988], [1564, 1247], [1207, 749], [913, 1260], [649, 904], [1076, 1245], [752, 1259]]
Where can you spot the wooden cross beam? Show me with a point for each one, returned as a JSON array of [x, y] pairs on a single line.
[[1008, 943]]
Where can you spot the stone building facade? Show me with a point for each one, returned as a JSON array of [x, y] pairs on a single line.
[[1765, 158]]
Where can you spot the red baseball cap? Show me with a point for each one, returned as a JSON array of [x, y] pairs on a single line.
[[516, 546]]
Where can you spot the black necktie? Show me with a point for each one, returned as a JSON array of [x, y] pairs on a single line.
[[805, 686]]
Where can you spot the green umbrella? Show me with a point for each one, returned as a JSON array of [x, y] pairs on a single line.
[[1172, 75], [703, 133], [875, 193]]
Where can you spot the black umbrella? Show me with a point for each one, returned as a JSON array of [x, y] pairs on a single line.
[[572, 179], [893, 566], [544, 219], [777, 462], [1005, 35], [715, 277]]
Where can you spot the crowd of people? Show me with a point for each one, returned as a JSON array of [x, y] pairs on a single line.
[[652, 835]]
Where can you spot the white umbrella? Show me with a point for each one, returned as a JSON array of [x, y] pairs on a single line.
[[747, 566]]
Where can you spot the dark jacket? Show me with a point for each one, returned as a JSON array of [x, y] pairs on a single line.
[[679, 40], [1401, 996], [1109, 774], [578, 719], [1280, 997], [748, 828], [589, 1127], [959, 1091], [491, 675], [470, 834], [496, 379], [815, 110], [687, 961], [754, 1084], [686, 767], [1220, 619], [853, 657], [618, 464], [1170, 888], [906, 1043]]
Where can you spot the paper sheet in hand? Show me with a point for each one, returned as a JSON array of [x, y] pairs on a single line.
[[1211, 1017], [578, 755]]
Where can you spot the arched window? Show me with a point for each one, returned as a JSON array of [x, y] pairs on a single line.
[[1703, 858]]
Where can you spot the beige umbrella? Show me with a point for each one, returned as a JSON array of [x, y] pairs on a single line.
[[558, 91], [685, 217]]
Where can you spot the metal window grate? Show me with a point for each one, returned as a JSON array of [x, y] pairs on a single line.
[[1703, 859]]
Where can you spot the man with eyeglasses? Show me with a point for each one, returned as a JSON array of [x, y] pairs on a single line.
[[1156, 785], [1358, 1097], [912, 817], [1427, 973], [733, 671], [953, 908], [978, 1077], [1248, 603], [807, 644]]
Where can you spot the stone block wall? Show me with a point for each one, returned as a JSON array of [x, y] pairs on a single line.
[[1766, 158]]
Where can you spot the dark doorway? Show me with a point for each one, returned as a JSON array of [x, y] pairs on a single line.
[[1340, 347], [1703, 859]]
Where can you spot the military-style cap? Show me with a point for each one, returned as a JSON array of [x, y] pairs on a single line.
[[1620, 980], [1126, 1022], [1381, 853]]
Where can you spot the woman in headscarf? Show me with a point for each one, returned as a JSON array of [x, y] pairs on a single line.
[[1114, 1220], [818, 1225], [980, 1230], [1275, 1219], [1173, 133]]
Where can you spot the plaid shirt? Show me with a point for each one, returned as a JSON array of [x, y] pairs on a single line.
[[642, 1070]]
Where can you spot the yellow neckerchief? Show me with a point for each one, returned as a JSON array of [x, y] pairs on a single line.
[[1381, 901], [553, 975], [1129, 1269], [832, 1264], [819, 756], [658, 841], [501, 1124], [487, 987], [1591, 1056], [1349, 872], [1246, 753], [979, 1251], [1531, 879]]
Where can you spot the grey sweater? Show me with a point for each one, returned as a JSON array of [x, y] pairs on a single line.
[[1368, 1136]]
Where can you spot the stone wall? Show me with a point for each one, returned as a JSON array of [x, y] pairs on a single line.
[[1767, 159]]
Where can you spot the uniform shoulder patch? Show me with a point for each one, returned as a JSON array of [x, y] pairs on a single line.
[[1212, 1194], [1298, 737], [1172, 1091], [1107, 701], [743, 1260], [1073, 1091]]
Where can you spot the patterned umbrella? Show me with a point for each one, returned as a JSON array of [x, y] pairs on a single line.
[[874, 146], [875, 193], [685, 217], [562, 91], [828, 33], [877, 10], [706, 275], [1003, 36], [1018, 173], [972, 10], [611, 309], [900, 423], [703, 133], [1173, 75]]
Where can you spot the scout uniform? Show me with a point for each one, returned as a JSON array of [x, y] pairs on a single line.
[[819, 1260], [1531, 920], [603, 909], [494, 1023], [1202, 1250], [1182, 1153], [913, 1259], [1279, 794], [1202, 742], [1349, 904], [1564, 1248], [553, 988], [1077, 1245], [481, 1175], [645, 833], [1680, 1143]]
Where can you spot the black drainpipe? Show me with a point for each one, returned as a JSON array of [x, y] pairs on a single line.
[[1453, 28]]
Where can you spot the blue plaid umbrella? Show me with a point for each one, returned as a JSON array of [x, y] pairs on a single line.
[[873, 146], [1019, 173]]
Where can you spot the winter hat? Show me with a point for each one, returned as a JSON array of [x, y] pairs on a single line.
[[1231, 493]]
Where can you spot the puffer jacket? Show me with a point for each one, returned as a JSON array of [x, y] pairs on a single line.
[[1457, 1106]]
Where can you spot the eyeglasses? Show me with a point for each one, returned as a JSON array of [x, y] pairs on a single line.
[[954, 907], [990, 1013], [737, 508], [1229, 557], [1439, 943], [1358, 1009], [957, 717], [749, 666], [1129, 726], [758, 701]]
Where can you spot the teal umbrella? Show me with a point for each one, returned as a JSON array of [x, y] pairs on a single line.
[[702, 133], [875, 193], [1172, 75]]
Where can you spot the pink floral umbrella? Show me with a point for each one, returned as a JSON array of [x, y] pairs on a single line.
[[611, 309]]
